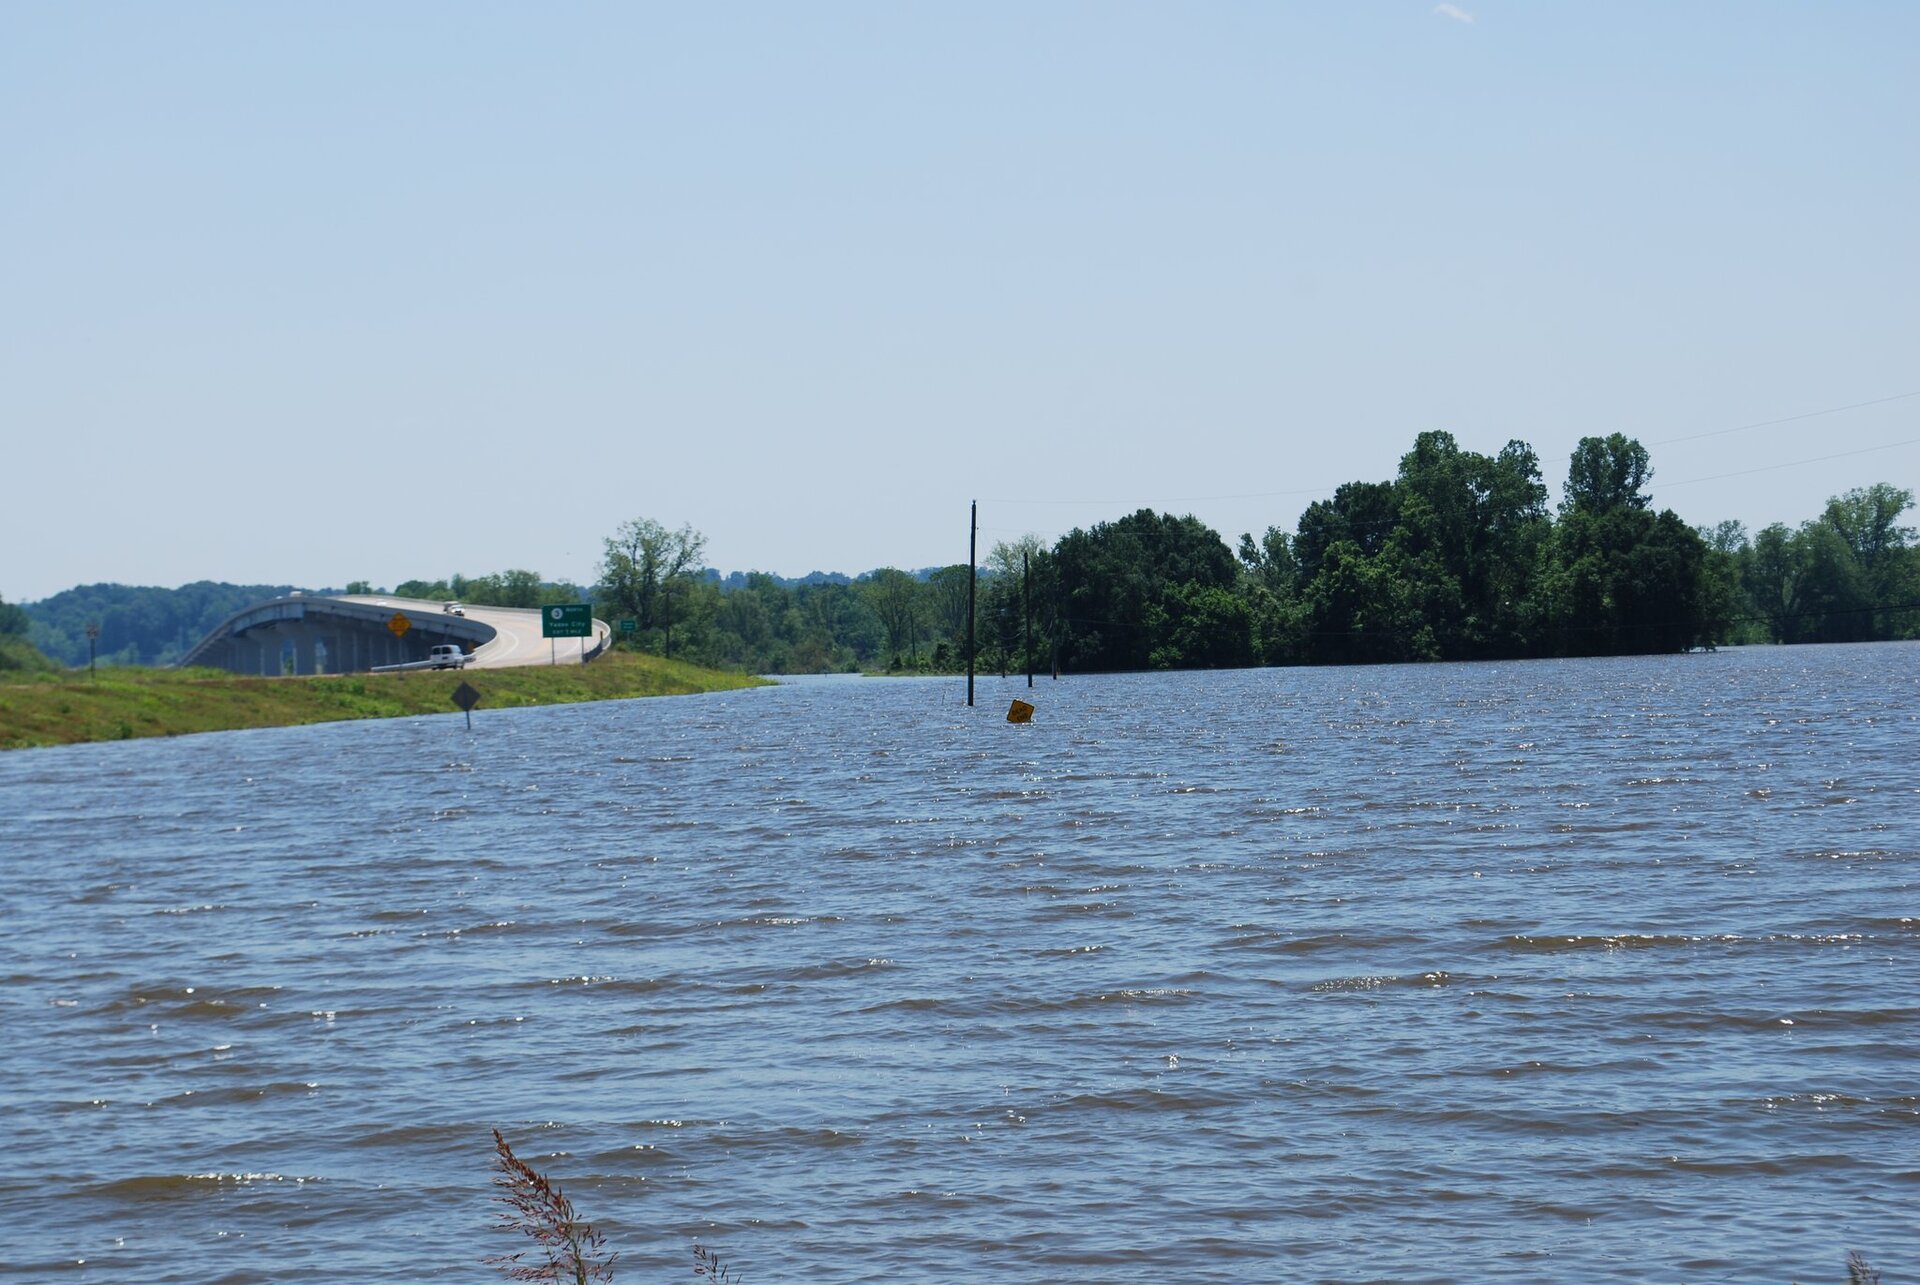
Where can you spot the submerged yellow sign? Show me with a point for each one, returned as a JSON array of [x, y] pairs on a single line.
[[1021, 712]]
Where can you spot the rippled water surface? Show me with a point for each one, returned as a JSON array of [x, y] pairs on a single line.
[[1598, 970]]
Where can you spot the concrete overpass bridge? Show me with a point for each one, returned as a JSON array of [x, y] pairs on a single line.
[[342, 635]]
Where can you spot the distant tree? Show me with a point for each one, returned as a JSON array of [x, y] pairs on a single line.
[[645, 567], [359, 587], [1197, 626], [1359, 609], [1271, 561], [1113, 579], [947, 598], [427, 589], [1728, 615], [1623, 581], [1363, 514], [14, 621], [506, 589], [895, 598], [1607, 473], [1867, 520], [1018, 578]]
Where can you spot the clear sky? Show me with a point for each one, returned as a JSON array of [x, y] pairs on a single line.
[[313, 292]]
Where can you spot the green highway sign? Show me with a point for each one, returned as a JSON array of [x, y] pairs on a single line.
[[628, 626], [569, 620]]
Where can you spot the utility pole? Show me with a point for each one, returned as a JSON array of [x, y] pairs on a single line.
[[973, 541], [1026, 596]]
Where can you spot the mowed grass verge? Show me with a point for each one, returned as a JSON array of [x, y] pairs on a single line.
[[121, 703]]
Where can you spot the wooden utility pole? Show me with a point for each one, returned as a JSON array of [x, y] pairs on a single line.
[[973, 540], [1026, 597]]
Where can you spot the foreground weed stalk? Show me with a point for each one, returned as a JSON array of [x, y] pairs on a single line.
[[571, 1249], [707, 1263]]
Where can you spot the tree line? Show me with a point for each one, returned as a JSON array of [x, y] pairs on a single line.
[[1460, 556]]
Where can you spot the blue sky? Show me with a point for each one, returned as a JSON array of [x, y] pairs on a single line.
[[317, 292]]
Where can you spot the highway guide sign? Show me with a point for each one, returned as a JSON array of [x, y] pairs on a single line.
[[568, 620]]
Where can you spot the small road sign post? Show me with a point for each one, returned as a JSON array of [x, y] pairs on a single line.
[[93, 636], [466, 698]]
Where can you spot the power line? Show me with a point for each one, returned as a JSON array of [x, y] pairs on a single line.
[[1790, 419], [1818, 459]]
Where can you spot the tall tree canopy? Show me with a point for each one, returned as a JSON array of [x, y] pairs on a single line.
[[645, 568], [1114, 581], [1608, 473]]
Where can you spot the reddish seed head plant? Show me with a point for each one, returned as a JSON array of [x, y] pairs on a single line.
[[567, 1248]]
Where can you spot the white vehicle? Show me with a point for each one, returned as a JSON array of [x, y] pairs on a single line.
[[454, 609], [447, 656]]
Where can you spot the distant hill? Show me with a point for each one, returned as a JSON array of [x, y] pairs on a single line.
[[139, 624], [151, 625], [738, 579]]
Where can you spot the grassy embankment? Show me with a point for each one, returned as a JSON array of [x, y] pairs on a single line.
[[67, 707]]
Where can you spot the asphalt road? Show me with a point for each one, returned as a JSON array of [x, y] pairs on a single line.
[[516, 639]]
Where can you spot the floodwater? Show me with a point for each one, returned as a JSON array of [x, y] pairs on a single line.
[[1597, 970]]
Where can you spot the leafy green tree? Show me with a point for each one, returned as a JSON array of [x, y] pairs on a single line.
[[1018, 576], [1270, 585], [1469, 530], [1196, 626], [1867, 519], [1728, 616], [833, 628], [1606, 474], [645, 568], [1624, 581], [1113, 576], [1363, 514], [516, 588], [1359, 610], [896, 599], [946, 596], [430, 590]]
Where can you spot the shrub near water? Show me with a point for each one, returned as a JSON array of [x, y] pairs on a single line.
[[120, 703]]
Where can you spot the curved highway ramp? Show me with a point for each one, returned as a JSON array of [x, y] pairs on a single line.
[[311, 634]]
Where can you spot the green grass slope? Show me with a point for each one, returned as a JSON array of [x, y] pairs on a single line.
[[63, 708]]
